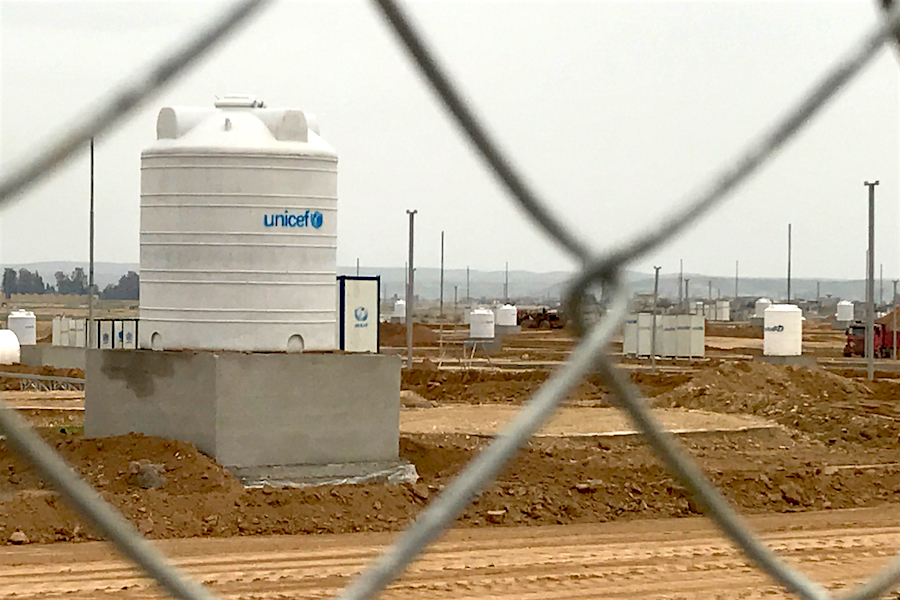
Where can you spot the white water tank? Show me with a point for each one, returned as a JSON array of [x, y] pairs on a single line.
[[481, 324], [238, 231], [723, 310], [9, 347], [507, 316], [400, 310], [783, 330], [24, 325], [760, 307], [844, 311]]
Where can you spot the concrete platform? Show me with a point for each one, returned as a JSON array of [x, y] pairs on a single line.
[[252, 410]]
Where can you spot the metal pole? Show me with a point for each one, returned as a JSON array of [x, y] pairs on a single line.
[[870, 285], [410, 289], [357, 267], [90, 335], [735, 279], [681, 284], [468, 297], [710, 289], [894, 313], [789, 266], [653, 332], [506, 285], [442, 277]]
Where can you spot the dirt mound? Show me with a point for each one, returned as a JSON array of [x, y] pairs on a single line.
[[481, 387], [826, 405], [393, 335], [551, 482]]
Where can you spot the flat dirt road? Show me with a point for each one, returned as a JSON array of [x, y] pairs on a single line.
[[671, 558]]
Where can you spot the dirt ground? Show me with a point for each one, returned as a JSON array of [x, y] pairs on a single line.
[[681, 559], [834, 446]]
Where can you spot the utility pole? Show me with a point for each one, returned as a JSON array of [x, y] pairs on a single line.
[[789, 266], [681, 284], [710, 289], [653, 332], [468, 297], [357, 267], [90, 336], [506, 285], [687, 295], [894, 313], [870, 285], [735, 279], [442, 278], [410, 290]]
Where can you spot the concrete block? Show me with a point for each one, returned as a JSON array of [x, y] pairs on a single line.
[[251, 410], [61, 357]]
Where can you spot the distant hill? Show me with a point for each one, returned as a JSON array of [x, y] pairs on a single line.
[[545, 287]]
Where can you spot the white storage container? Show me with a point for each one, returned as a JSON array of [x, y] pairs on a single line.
[[644, 333], [844, 311], [629, 336], [400, 310], [759, 309], [238, 231], [481, 324], [683, 336], [507, 316], [668, 345], [10, 352], [783, 330], [698, 336], [24, 325]]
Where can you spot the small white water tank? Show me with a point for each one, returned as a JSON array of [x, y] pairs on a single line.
[[844, 311], [24, 325], [783, 330], [481, 324], [400, 309], [760, 308], [9, 347], [507, 316]]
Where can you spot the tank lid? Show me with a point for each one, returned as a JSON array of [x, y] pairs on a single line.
[[239, 101]]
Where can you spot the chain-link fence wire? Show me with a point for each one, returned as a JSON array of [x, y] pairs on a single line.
[[588, 357]]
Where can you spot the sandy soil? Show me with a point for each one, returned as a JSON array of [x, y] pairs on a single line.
[[642, 559], [490, 419]]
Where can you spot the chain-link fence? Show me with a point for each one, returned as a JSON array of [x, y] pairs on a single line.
[[589, 357]]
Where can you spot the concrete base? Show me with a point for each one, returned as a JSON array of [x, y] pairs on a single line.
[[251, 410], [841, 324], [46, 355], [399, 471], [500, 331], [802, 361]]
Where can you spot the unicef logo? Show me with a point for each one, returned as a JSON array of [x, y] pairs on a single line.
[[314, 219], [361, 313]]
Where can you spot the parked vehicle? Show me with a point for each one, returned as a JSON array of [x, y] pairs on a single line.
[[856, 341]]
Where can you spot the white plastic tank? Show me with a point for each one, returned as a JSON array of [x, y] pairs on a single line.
[[481, 324], [507, 316], [10, 352], [844, 311], [759, 309], [400, 310], [238, 230], [723, 310], [783, 330], [24, 325]]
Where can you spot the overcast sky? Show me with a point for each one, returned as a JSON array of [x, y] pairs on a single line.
[[615, 111]]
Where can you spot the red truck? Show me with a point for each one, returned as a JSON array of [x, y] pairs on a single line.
[[856, 341]]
